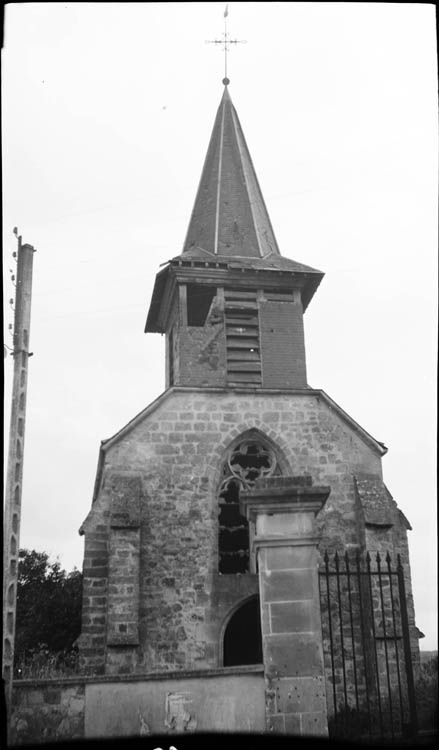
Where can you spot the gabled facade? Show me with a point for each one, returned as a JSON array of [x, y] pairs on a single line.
[[213, 507]]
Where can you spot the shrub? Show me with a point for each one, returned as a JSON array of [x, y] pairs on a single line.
[[427, 694], [41, 663]]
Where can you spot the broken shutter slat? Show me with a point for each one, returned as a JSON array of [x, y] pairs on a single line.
[[242, 337]]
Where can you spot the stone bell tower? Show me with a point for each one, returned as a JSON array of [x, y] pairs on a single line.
[[212, 506]]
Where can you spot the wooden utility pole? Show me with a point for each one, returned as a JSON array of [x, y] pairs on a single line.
[[14, 478]]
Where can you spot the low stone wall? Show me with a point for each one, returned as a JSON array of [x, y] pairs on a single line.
[[230, 699], [45, 710]]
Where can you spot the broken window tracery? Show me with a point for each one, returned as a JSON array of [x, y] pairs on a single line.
[[248, 461]]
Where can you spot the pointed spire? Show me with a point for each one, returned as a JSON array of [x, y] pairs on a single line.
[[229, 217]]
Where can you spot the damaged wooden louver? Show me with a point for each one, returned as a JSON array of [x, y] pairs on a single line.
[[242, 337]]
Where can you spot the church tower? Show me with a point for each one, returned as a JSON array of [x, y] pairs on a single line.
[[214, 506], [231, 305]]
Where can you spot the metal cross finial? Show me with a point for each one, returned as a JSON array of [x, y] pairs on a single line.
[[226, 42]]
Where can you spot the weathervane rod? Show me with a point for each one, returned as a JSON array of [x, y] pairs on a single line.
[[225, 42], [226, 13]]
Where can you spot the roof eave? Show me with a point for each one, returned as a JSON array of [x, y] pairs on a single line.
[[153, 324], [379, 447], [310, 288]]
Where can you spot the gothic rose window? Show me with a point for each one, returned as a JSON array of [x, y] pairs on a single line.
[[245, 463]]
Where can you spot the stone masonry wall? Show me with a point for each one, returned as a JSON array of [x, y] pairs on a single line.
[[47, 711], [370, 649], [175, 449], [395, 540], [282, 344], [385, 530], [200, 351]]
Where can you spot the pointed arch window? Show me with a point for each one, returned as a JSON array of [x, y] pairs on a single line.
[[246, 461]]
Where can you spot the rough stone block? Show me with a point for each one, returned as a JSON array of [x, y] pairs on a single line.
[[293, 655], [284, 524], [265, 618], [287, 586], [299, 694], [276, 724], [296, 617], [315, 724], [286, 558], [292, 724], [52, 696], [35, 697], [76, 706], [96, 572]]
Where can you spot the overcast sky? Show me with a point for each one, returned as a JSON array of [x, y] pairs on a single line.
[[107, 113]]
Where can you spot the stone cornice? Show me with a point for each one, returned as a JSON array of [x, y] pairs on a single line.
[[146, 677], [311, 392], [286, 499], [285, 541], [223, 274]]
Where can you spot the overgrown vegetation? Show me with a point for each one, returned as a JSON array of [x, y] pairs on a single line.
[[427, 693], [355, 724], [48, 617]]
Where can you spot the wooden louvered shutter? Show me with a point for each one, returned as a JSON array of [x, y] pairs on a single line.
[[242, 336]]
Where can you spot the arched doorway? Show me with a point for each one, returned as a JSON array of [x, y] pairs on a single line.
[[242, 638]]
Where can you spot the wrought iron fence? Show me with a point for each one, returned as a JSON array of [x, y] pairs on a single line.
[[366, 644]]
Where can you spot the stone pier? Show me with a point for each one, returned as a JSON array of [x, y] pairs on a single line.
[[281, 512]]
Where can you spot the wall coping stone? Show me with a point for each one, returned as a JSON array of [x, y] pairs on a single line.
[[271, 499], [308, 391], [182, 674]]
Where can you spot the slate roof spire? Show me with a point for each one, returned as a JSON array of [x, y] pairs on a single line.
[[229, 229], [229, 217]]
